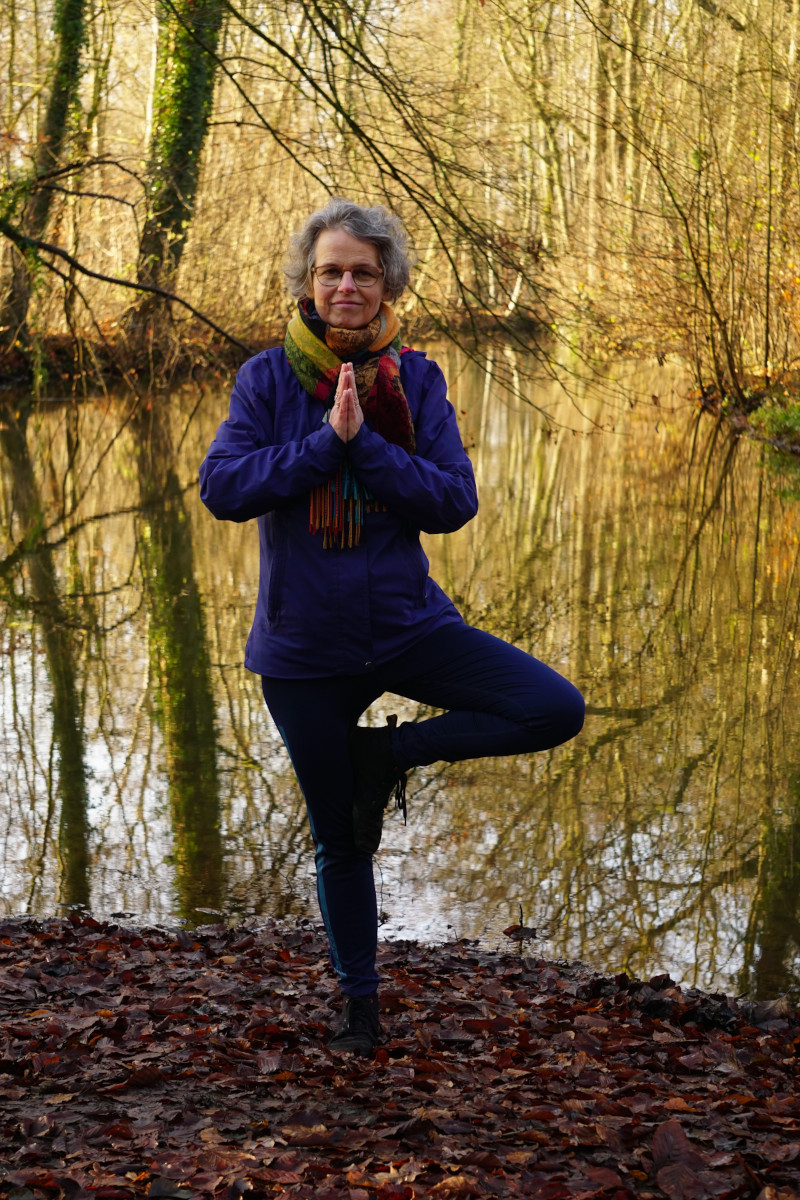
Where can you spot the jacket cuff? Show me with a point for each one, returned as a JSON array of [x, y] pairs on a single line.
[[328, 444], [363, 447]]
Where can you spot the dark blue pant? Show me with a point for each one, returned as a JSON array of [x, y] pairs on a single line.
[[500, 701]]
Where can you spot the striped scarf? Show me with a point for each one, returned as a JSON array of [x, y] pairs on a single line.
[[316, 351]]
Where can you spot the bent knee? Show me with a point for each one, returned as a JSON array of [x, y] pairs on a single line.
[[573, 714], [564, 716]]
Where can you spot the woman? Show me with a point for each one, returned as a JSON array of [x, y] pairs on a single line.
[[343, 446]]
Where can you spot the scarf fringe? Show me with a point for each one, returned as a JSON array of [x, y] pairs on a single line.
[[337, 509]]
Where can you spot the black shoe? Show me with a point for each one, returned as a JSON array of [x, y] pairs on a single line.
[[377, 775], [359, 1029]]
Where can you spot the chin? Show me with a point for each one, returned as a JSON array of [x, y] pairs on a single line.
[[350, 320]]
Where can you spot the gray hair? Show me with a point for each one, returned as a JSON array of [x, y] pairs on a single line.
[[376, 225]]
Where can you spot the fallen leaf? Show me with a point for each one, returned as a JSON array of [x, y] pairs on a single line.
[[455, 1185], [671, 1145]]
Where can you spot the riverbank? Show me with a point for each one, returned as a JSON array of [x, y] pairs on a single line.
[[175, 1063], [767, 411], [60, 361]]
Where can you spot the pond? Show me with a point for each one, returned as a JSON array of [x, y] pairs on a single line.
[[626, 540]]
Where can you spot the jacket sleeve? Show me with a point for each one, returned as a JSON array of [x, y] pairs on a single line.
[[245, 474], [433, 489]]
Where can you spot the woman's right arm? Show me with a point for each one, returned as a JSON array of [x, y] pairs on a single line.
[[245, 473]]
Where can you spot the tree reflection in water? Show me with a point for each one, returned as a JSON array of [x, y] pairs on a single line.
[[34, 589], [648, 560], [180, 668]]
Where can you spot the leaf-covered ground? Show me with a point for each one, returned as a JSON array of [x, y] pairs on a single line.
[[140, 1062]]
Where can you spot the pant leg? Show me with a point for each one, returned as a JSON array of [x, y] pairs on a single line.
[[500, 699], [314, 718]]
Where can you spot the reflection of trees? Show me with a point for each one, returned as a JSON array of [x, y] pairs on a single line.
[[648, 842], [49, 611], [194, 698], [772, 942], [180, 664], [239, 779], [268, 846], [651, 583]]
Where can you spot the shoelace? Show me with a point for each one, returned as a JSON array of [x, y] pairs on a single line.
[[400, 795], [402, 779]]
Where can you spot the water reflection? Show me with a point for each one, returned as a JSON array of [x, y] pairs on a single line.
[[34, 589], [642, 552], [180, 666]]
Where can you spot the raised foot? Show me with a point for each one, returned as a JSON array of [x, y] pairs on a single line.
[[377, 776]]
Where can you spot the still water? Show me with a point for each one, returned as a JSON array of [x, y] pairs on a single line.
[[624, 539]]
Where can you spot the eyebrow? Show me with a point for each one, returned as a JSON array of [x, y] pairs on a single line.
[[349, 267]]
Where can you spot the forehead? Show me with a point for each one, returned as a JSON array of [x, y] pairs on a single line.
[[340, 247]]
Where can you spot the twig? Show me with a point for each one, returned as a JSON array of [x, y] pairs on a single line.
[[24, 242]]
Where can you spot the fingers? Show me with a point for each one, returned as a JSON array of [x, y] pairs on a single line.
[[356, 416], [345, 388], [351, 394], [338, 421], [346, 415], [339, 418], [346, 381]]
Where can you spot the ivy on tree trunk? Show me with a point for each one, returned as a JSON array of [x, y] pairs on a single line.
[[185, 69], [30, 201]]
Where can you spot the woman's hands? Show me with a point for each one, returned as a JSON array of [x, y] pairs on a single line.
[[346, 415]]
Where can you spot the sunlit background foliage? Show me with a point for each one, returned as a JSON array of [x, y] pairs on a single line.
[[628, 169]]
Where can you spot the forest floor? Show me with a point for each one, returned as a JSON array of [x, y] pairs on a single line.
[[173, 1063]]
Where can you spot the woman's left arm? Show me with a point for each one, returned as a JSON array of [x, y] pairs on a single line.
[[434, 488]]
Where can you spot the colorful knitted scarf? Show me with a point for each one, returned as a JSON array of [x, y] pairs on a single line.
[[316, 352]]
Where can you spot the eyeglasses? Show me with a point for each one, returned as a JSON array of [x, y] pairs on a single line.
[[362, 277]]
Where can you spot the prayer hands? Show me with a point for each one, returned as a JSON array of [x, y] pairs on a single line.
[[346, 415]]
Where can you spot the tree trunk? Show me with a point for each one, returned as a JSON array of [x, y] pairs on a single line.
[[598, 137], [69, 32], [188, 35]]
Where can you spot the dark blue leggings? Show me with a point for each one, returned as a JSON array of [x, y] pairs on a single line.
[[500, 701]]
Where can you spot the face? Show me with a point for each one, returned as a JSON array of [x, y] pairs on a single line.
[[346, 305]]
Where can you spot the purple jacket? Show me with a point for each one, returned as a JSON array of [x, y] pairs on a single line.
[[337, 612]]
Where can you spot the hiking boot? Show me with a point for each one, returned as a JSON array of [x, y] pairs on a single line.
[[377, 775], [359, 1029]]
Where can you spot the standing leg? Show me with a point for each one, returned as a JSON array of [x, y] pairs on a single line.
[[314, 718]]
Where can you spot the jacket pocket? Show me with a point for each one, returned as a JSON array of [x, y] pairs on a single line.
[[276, 574], [418, 569]]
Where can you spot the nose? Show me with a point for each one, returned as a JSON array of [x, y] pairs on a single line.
[[347, 283]]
